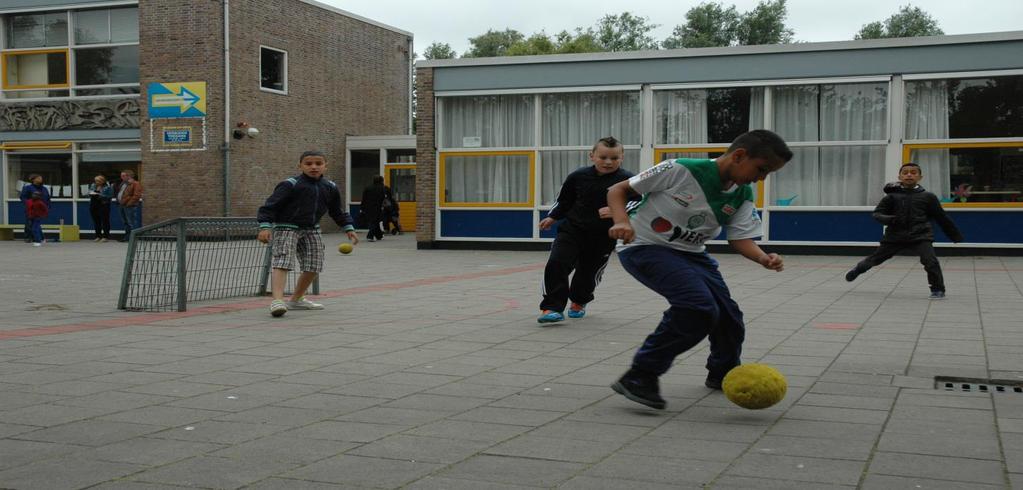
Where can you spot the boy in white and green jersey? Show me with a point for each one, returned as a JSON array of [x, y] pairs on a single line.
[[685, 203]]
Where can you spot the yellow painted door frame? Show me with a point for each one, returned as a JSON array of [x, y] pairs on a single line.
[[406, 209]]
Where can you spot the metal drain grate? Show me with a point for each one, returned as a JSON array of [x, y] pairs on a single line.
[[977, 385]]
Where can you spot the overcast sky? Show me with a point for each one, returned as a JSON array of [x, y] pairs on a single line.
[[454, 21]]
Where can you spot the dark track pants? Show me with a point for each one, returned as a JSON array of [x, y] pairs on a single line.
[[700, 306], [587, 255], [925, 249]]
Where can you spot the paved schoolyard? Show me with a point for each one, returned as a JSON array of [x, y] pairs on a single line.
[[427, 370]]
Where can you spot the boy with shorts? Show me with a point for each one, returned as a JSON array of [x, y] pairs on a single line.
[[291, 217], [582, 243], [685, 203]]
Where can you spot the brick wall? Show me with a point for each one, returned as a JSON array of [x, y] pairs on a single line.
[[426, 159], [345, 77]]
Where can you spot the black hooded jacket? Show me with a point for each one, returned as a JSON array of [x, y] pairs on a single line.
[[907, 213], [300, 202]]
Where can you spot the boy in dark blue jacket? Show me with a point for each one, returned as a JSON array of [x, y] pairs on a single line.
[[291, 217], [582, 244], [907, 210]]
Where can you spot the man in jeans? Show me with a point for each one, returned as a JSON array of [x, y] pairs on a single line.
[[129, 197]]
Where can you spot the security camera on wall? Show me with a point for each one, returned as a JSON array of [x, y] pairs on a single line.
[[252, 132], [243, 129]]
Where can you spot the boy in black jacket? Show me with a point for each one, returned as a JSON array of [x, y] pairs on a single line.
[[291, 216], [582, 242], [907, 210]]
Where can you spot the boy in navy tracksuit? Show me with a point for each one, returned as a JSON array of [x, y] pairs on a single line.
[[291, 217], [582, 242]]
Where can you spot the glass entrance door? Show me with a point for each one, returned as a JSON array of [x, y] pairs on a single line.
[[401, 178]]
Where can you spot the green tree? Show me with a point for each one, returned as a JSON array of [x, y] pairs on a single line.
[[493, 43], [539, 43], [581, 42], [439, 51], [765, 24], [908, 22], [624, 32], [706, 25]]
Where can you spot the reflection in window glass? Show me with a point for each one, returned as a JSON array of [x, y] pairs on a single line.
[[964, 108], [401, 156], [487, 121], [486, 179], [403, 184], [124, 25], [92, 26], [556, 165], [706, 115], [972, 174], [54, 168], [273, 69], [583, 118], [37, 30], [830, 176], [100, 66]]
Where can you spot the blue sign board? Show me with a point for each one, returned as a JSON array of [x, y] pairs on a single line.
[[177, 136]]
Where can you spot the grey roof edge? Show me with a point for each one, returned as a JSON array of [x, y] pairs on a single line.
[[730, 50], [356, 16]]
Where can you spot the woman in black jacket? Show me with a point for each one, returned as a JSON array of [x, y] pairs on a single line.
[[374, 198], [907, 210]]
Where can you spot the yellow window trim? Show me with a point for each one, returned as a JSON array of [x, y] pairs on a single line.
[[660, 152], [67, 69], [395, 166], [908, 149], [443, 202], [37, 145]]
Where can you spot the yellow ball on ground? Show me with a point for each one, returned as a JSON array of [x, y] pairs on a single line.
[[754, 386], [345, 248]]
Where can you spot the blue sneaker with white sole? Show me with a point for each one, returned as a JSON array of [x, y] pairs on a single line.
[[576, 310], [550, 316]]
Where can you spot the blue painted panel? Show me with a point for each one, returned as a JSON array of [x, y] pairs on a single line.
[[487, 224], [859, 226], [58, 210]]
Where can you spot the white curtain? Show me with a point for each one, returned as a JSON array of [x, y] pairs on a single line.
[[497, 120], [795, 119], [756, 108], [556, 165], [831, 175], [680, 116], [580, 119], [489, 178], [927, 118]]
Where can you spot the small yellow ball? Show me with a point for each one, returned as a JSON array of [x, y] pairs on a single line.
[[754, 386], [345, 248]]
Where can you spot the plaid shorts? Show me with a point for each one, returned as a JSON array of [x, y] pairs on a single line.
[[306, 244]]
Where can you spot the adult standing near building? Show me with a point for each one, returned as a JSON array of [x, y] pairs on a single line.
[[375, 197], [35, 184], [100, 194], [129, 197]]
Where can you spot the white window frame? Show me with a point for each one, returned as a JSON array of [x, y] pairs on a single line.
[[260, 72]]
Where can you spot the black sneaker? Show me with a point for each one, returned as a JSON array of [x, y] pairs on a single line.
[[713, 383], [852, 275], [937, 295], [640, 388]]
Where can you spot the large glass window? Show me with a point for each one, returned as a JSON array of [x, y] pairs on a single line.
[[964, 108], [108, 160], [273, 69], [816, 120], [487, 121], [55, 169], [717, 115], [35, 69], [103, 66], [37, 30], [971, 174], [576, 119], [487, 179], [107, 26], [557, 164]]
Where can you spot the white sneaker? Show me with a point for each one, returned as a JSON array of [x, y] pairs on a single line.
[[278, 308], [37, 244], [304, 304]]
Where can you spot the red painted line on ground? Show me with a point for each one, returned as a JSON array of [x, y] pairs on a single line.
[[148, 318], [837, 326]]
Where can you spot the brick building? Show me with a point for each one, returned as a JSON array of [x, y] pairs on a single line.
[[74, 101]]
